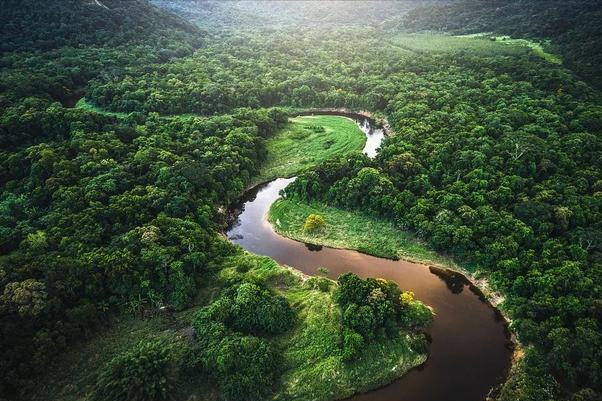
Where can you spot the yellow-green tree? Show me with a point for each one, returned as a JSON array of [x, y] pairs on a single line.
[[314, 222]]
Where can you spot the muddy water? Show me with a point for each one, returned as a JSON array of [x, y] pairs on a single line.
[[469, 353]]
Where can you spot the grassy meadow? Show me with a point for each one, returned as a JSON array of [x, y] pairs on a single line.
[[313, 366], [484, 44], [308, 140], [350, 230]]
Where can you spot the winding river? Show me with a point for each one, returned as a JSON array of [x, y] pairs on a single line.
[[470, 351]]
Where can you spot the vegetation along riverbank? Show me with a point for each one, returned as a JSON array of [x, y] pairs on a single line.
[[127, 128]]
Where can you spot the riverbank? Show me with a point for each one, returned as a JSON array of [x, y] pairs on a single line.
[[350, 230], [308, 140], [378, 237], [474, 361], [314, 367], [377, 120]]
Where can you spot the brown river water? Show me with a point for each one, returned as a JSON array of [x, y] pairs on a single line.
[[470, 351]]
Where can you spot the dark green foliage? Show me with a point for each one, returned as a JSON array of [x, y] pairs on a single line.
[[75, 23], [319, 283], [119, 212], [572, 25], [50, 50], [243, 366], [256, 310], [143, 373], [316, 128], [244, 265], [352, 344], [374, 308], [360, 319], [529, 380], [246, 367], [496, 160], [250, 309]]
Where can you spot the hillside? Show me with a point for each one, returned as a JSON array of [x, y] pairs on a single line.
[[572, 27], [131, 132]]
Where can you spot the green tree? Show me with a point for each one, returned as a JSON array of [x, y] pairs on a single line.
[[143, 373], [314, 222]]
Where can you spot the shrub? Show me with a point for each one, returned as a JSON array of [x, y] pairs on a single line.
[[317, 128], [415, 314], [143, 373], [323, 284], [360, 319], [318, 283], [323, 271], [376, 308], [245, 265], [351, 289], [246, 367], [314, 222], [257, 310], [352, 345]]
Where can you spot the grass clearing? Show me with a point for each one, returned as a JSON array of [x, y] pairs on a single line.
[[313, 367], [308, 140], [85, 105], [538, 48], [437, 43], [484, 44], [350, 230]]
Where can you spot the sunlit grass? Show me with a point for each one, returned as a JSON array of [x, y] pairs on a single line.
[[314, 368], [85, 105], [350, 230], [536, 47], [300, 145], [435, 43]]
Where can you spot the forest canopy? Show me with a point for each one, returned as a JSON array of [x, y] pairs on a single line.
[[117, 206]]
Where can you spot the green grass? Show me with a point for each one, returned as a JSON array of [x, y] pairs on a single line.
[[437, 43], [313, 368], [297, 148], [350, 230], [84, 105], [484, 44], [537, 47], [316, 371]]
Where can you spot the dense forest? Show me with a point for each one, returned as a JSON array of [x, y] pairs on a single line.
[[571, 27], [116, 206]]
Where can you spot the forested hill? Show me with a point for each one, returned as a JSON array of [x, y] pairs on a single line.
[[75, 182], [27, 25], [50, 50], [573, 26], [285, 14]]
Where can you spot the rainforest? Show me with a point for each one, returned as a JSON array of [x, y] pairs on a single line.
[[301, 200]]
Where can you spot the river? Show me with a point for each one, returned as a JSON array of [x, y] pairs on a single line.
[[470, 351]]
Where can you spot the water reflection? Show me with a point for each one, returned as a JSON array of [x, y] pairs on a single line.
[[469, 353], [314, 247]]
